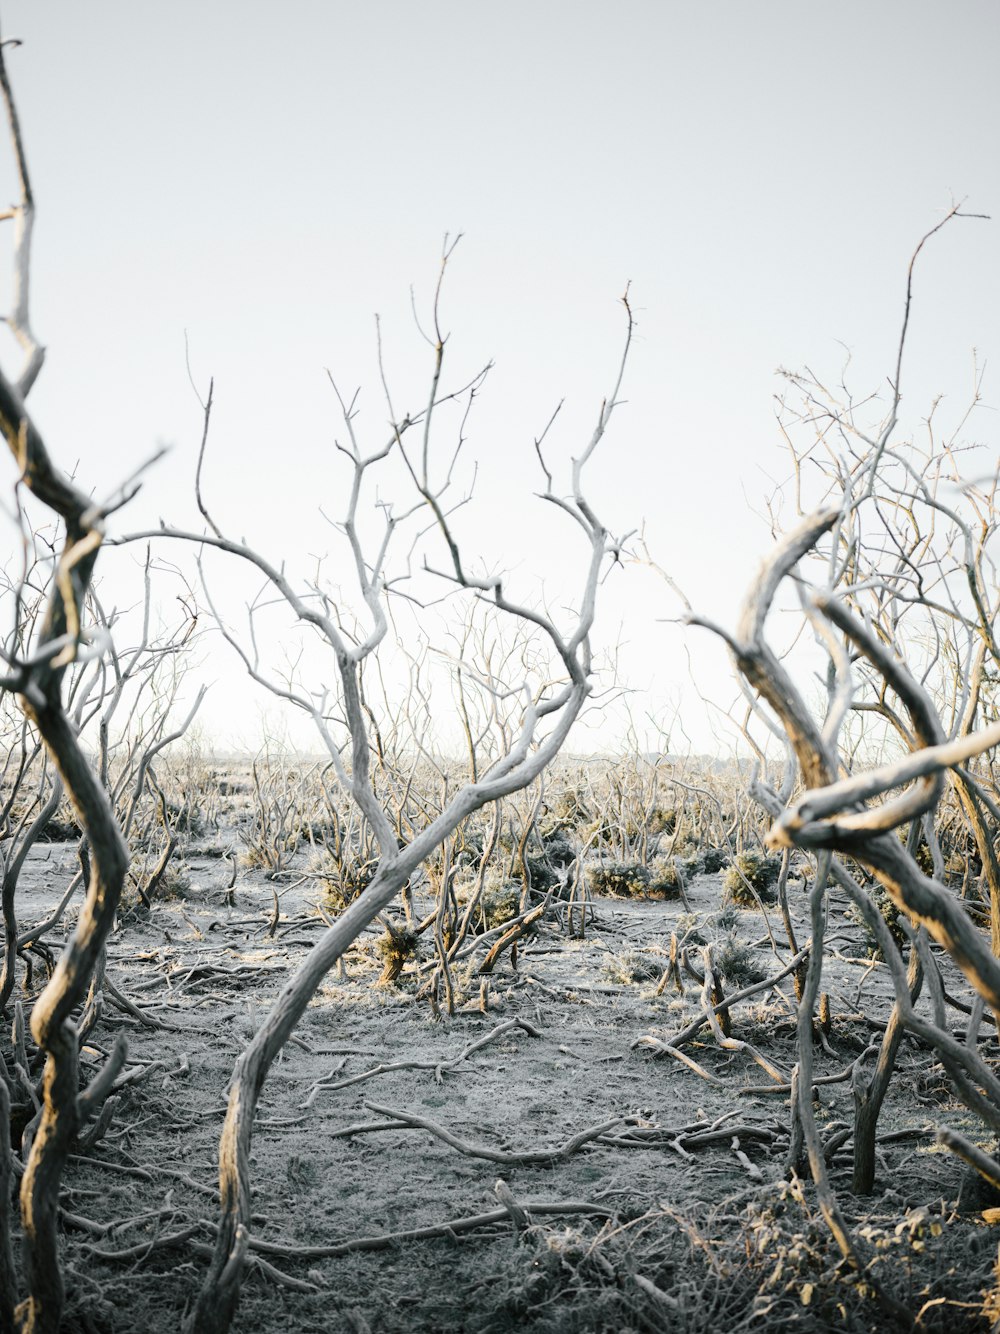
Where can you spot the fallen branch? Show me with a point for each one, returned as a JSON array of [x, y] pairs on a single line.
[[439, 1067], [144, 1248], [129, 1007], [454, 1227], [659, 1048], [534, 1157], [695, 1027], [723, 1039], [987, 1167], [653, 1137]]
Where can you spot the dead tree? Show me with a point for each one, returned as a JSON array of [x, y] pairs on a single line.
[[549, 705], [35, 674], [873, 578]]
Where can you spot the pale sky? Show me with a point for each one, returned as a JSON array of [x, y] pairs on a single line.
[[265, 178]]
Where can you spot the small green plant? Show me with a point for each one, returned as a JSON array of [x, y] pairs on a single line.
[[664, 882], [868, 946], [498, 904], [395, 948], [620, 880], [752, 877]]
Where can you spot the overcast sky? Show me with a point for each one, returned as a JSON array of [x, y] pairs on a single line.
[[262, 179]]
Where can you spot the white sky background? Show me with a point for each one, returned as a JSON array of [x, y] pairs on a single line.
[[266, 178]]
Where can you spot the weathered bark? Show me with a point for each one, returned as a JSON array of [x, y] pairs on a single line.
[[816, 820], [931, 905], [41, 1311], [799, 976], [972, 809], [8, 1281], [803, 1110], [869, 1095], [38, 683], [53, 1029], [834, 816]]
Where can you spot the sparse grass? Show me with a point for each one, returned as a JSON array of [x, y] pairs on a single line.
[[738, 963], [771, 1266], [631, 965], [727, 919]]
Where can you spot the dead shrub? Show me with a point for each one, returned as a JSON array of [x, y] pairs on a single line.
[[770, 1266], [631, 966], [738, 963], [868, 946], [341, 882]]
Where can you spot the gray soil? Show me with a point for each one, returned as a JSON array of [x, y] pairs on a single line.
[[656, 1222]]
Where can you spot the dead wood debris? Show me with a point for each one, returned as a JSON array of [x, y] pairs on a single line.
[[454, 1227], [401, 1120], [439, 1067]]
